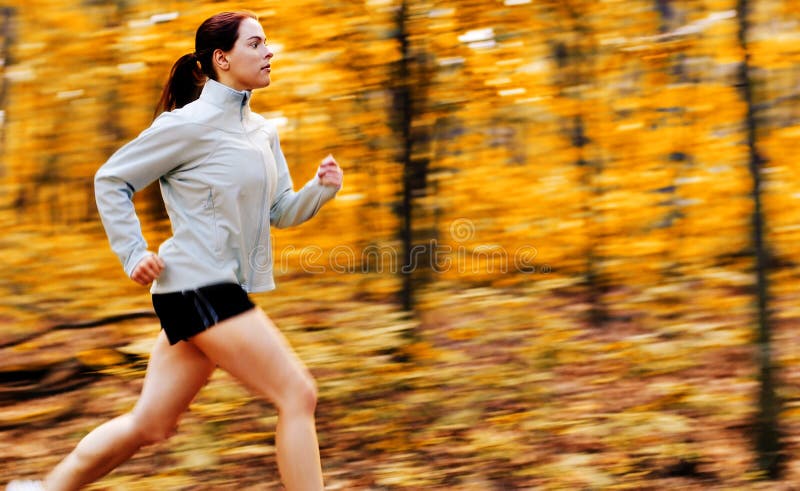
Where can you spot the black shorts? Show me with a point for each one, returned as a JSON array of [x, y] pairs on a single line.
[[188, 312]]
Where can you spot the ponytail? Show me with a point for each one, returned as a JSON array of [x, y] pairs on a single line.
[[184, 85]]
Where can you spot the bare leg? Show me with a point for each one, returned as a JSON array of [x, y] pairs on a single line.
[[174, 376], [254, 351]]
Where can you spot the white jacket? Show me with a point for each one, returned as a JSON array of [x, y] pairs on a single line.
[[224, 180]]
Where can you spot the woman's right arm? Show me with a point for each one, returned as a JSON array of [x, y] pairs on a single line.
[[156, 151]]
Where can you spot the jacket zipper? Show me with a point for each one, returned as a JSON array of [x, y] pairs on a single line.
[[263, 202]]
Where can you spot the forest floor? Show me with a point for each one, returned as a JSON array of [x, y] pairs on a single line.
[[483, 388]]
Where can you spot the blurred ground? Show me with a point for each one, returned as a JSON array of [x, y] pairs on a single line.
[[486, 389]]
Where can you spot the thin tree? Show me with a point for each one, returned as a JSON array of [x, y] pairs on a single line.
[[575, 71], [410, 95], [767, 431]]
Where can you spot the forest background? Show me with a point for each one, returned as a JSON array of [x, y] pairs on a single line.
[[564, 257]]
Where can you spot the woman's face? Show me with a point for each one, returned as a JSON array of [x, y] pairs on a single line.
[[247, 65]]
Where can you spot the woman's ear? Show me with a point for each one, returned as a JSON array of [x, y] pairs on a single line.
[[220, 59]]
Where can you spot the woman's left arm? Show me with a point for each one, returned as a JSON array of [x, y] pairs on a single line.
[[290, 208]]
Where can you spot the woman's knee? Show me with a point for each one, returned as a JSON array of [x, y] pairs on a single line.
[[309, 395], [150, 430], [301, 396]]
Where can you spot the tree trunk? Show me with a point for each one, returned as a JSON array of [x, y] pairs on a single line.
[[767, 432], [410, 94], [572, 61]]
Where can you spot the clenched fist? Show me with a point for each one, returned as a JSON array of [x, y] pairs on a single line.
[[330, 174], [148, 269]]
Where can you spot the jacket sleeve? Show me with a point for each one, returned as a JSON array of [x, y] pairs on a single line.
[[291, 208], [157, 150]]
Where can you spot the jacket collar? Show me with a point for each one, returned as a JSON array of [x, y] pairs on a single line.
[[232, 102]]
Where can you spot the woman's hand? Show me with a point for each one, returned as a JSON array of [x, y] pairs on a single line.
[[330, 174], [148, 269]]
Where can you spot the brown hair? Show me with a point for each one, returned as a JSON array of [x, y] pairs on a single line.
[[189, 73]]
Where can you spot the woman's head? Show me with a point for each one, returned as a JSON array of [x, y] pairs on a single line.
[[230, 47], [244, 63]]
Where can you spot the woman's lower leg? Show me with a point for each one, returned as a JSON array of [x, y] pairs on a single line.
[[103, 449], [298, 449]]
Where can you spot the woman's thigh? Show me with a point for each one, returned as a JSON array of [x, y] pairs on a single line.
[[251, 348], [175, 373]]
